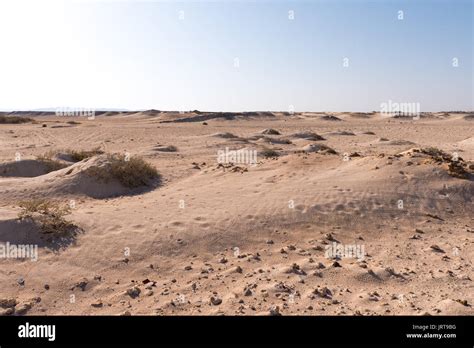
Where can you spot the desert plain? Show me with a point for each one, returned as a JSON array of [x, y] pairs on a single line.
[[394, 195]]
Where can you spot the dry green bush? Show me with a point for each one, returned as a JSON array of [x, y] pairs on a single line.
[[48, 215], [434, 152], [80, 155], [131, 172]]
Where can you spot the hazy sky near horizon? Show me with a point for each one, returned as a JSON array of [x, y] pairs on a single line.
[[236, 55]]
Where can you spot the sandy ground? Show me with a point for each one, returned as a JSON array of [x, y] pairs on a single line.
[[242, 239]]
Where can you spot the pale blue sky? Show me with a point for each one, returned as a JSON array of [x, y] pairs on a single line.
[[141, 55]]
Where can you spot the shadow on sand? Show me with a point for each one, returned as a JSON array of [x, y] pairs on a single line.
[[27, 232]]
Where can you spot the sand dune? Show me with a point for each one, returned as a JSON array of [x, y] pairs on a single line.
[[374, 227], [74, 180], [307, 136]]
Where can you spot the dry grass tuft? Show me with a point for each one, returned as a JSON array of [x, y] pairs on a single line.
[[48, 215], [80, 155], [50, 163], [131, 172]]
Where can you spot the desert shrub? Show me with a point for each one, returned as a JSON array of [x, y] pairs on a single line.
[[50, 163], [457, 170], [14, 119], [268, 153], [131, 172], [432, 151], [73, 122], [48, 215], [80, 155], [437, 154]]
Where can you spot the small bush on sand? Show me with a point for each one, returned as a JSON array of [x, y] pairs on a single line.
[[455, 164], [14, 119], [131, 172], [50, 163], [269, 153], [48, 215], [438, 155], [80, 155], [433, 151]]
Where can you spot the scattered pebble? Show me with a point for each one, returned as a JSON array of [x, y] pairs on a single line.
[[215, 301], [134, 292]]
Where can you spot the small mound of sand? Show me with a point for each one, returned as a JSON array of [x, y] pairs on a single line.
[[270, 131], [222, 116], [318, 148], [111, 113], [308, 136], [269, 153], [400, 142], [257, 137], [362, 114], [131, 172], [76, 180], [264, 139], [151, 112], [225, 135], [281, 141], [97, 177], [163, 148], [330, 118], [341, 133]]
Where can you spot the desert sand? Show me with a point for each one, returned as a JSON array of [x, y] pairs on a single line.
[[245, 239]]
